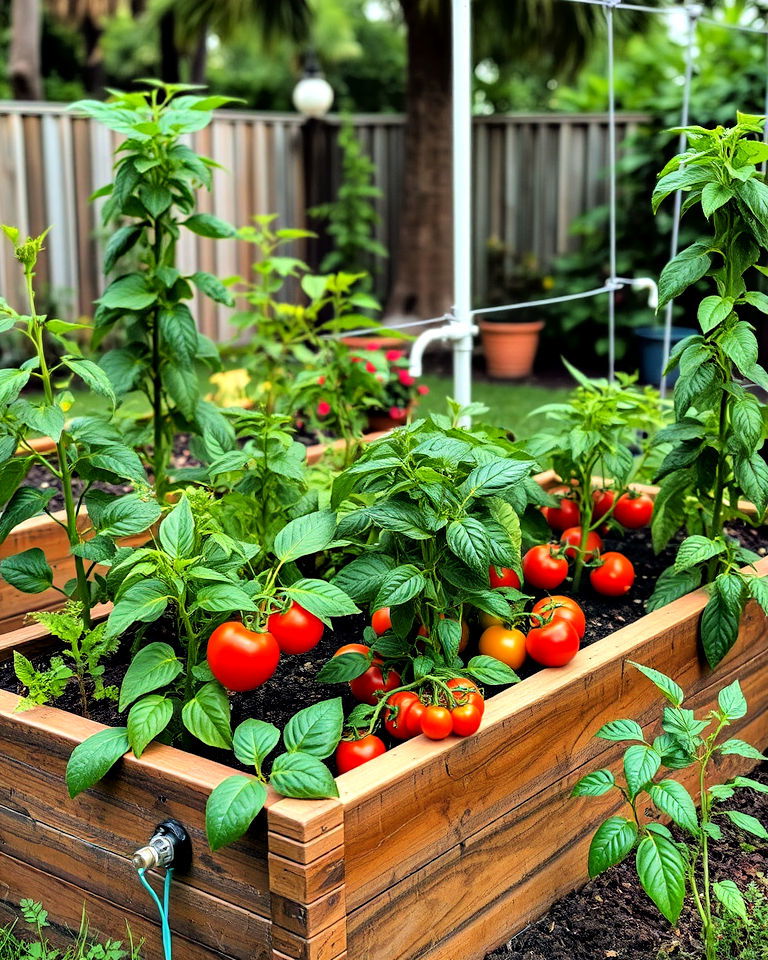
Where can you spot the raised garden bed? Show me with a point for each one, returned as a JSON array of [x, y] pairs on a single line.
[[471, 839]]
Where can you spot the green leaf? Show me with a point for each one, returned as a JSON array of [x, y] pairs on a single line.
[[347, 666], [695, 550], [491, 671], [673, 799], [713, 310], [661, 869], [177, 531], [672, 691], [683, 270], [12, 383], [746, 822], [362, 578], [613, 840], [322, 599], [253, 741], [231, 808], [146, 720], [26, 502], [315, 730], [123, 366], [94, 757], [120, 460], [155, 665], [224, 598], [206, 716], [305, 535], [750, 784], [183, 387], [302, 775], [594, 784], [641, 764], [721, 617], [671, 586], [27, 571], [732, 702], [740, 345], [131, 292], [729, 895], [747, 423], [119, 243], [178, 334], [618, 730], [740, 748], [143, 602], [128, 515], [752, 476], [206, 225], [758, 590], [400, 585], [713, 196], [449, 635], [468, 540], [212, 287], [46, 418], [495, 477]]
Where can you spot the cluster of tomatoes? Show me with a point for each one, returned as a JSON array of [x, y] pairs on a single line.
[[546, 566], [243, 659]]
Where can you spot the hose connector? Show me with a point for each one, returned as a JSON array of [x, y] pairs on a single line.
[[169, 846]]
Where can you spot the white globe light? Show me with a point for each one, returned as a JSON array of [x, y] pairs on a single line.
[[313, 96]]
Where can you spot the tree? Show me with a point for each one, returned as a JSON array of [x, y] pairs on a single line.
[[24, 57], [89, 18]]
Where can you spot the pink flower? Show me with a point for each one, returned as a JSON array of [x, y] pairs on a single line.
[[405, 378], [423, 389], [370, 367], [393, 355], [321, 380], [323, 408], [397, 413], [373, 346]]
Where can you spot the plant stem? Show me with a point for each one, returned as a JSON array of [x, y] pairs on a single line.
[[159, 464], [192, 649]]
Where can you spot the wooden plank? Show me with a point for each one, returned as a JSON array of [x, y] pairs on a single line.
[[306, 851], [196, 915], [308, 919], [518, 864], [385, 799], [306, 882], [324, 946]]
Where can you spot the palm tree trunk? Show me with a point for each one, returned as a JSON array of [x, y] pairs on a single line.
[[423, 278], [199, 60], [24, 57], [169, 53]]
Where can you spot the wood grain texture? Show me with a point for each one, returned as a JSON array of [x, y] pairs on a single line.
[[522, 861]]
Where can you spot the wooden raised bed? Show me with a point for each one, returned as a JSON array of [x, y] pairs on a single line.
[[435, 851]]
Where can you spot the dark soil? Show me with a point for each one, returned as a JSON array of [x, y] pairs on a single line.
[[612, 916], [295, 677]]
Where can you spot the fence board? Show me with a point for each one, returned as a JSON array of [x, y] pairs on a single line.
[[534, 174]]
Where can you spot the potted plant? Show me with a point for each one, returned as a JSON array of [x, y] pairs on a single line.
[[510, 337]]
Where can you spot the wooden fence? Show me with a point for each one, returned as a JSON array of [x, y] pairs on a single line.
[[534, 174]]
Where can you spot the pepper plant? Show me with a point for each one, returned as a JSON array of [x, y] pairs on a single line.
[[605, 429], [89, 451], [670, 869], [152, 196], [719, 426], [431, 508], [199, 577]]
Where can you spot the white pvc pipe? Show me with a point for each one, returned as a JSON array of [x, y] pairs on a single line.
[[462, 195]]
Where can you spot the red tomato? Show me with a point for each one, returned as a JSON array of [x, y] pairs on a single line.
[[466, 719], [413, 718], [436, 723], [240, 659], [614, 577], [572, 536], [353, 753], [466, 691], [353, 648], [602, 502], [554, 644], [505, 644], [543, 570], [381, 621], [503, 577], [366, 687], [561, 608], [396, 714], [634, 510], [297, 630], [564, 516]]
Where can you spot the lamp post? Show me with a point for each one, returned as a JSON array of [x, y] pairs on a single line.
[[313, 98]]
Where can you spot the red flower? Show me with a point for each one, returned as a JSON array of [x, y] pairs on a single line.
[[393, 355], [373, 346], [357, 359], [397, 413], [405, 378], [323, 408], [370, 367], [321, 380], [423, 389]]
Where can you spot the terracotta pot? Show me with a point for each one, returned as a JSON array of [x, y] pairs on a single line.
[[510, 348], [380, 343], [381, 420]]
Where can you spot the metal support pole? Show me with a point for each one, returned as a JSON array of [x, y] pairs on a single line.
[[612, 195], [462, 195]]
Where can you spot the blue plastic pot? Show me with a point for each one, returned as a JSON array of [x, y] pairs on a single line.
[[651, 343]]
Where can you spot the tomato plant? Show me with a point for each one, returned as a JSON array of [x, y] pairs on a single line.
[[614, 575], [544, 568], [554, 644]]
